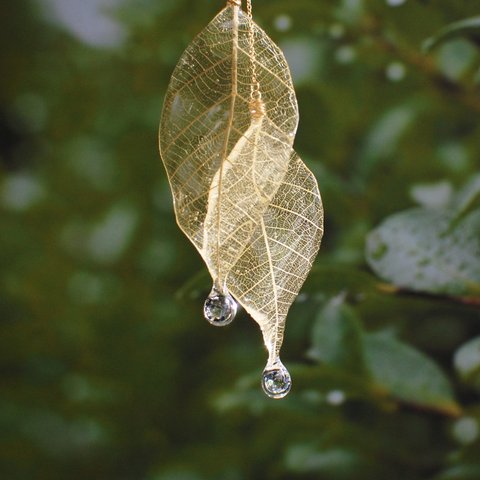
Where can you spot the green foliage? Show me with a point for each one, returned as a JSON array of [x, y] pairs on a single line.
[[408, 374], [337, 338], [435, 250], [467, 27], [109, 371], [467, 362]]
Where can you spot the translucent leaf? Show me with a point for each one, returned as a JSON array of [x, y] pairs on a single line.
[[269, 274], [213, 147], [241, 194]]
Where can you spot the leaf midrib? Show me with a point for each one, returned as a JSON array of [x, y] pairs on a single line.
[[234, 93]]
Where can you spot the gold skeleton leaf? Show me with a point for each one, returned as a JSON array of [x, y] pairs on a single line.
[[242, 196], [269, 274], [212, 147]]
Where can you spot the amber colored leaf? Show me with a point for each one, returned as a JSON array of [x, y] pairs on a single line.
[[271, 271], [212, 145], [242, 195]]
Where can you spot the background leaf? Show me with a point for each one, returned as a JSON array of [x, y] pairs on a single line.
[[468, 198], [464, 472], [464, 28], [408, 375], [419, 250], [337, 338]]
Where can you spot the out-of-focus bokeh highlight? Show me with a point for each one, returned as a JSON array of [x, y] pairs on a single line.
[[108, 370]]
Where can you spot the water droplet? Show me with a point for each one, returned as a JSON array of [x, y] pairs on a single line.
[[219, 309], [276, 381]]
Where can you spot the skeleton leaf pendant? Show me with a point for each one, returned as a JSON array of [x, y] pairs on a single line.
[[241, 194]]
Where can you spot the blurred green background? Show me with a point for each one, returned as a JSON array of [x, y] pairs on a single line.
[[108, 370]]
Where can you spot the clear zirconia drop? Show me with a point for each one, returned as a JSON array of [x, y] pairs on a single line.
[[276, 381], [219, 309]]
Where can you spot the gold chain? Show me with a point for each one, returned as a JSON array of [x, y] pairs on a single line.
[[256, 96], [249, 9]]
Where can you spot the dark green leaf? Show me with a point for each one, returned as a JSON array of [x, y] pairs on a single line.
[[337, 337], [336, 278], [408, 375], [461, 472], [385, 135], [468, 198], [462, 28], [336, 463]]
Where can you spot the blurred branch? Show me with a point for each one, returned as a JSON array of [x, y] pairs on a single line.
[[372, 27], [388, 288], [466, 94]]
